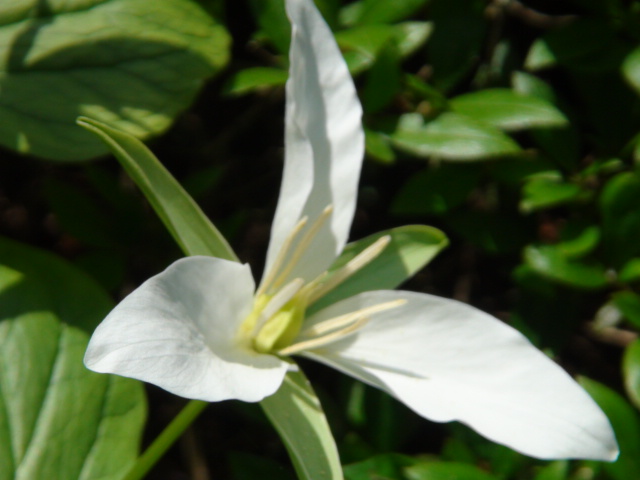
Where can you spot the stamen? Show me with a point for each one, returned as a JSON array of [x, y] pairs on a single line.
[[343, 320], [276, 303], [266, 281], [352, 266], [327, 339], [302, 245]]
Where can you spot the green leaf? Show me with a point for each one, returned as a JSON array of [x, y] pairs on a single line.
[[446, 471], [631, 69], [363, 44], [436, 190], [410, 249], [367, 12], [377, 146], [558, 470], [453, 137], [544, 192], [551, 262], [620, 207], [118, 61], [508, 110], [184, 219], [628, 303], [383, 79], [587, 45], [58, 420], [626, 425], [386, 466], [295, 412], [631, 372], [252, 79], [43, 280], [630, 271]]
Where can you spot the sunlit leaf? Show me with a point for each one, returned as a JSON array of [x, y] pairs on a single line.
[[626, 424], [296, 413], [252, 79], [551, 262], [58, 420], [453, 137], [508, 110], [118, 61]]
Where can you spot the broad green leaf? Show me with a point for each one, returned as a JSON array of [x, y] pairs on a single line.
[[631, 372], [630, 271], [58, 420], [543, 192], [377, 146], [626, 425], [528, 84], [184, 219], [367, 12], [118, 61], [558, 470], [551, 262], [446, 471], [296, 413], [363, 44], [384, 466], [508, 110], [271, 17], [410, 249], [43, 281], [586, 44], [578, 239], [620, 207], [631, 69], [251, 79], [628, 303], [453, 137]]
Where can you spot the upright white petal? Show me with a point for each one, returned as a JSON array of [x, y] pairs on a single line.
[[449, 361], [178, 330], [324, 142]]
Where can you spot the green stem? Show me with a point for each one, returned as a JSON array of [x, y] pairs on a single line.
[[162, 443]]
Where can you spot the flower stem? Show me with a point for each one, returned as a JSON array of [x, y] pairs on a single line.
[[162, 443]]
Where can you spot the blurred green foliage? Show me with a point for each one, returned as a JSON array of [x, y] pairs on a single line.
[[513, 125]]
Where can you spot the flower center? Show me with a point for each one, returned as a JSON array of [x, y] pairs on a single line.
[[278, 311]]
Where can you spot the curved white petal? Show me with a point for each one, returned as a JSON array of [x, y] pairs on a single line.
[[324, 142], [178, 331], [449, 361]]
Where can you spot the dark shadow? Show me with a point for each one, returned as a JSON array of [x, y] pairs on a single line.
[[23, 42]]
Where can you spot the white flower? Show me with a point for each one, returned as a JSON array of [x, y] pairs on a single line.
[[201, 330]]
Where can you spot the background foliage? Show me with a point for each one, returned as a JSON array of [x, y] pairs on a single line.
[[514, 126]]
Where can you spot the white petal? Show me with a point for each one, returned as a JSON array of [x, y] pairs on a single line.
[[448, 361], [178, 331], [324, 142]]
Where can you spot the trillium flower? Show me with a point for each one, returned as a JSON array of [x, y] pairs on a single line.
[[202, 330]]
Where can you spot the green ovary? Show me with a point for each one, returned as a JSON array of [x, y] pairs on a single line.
[[280, 330]]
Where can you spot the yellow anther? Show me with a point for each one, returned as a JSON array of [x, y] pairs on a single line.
[[318, 288], [324, 340]]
